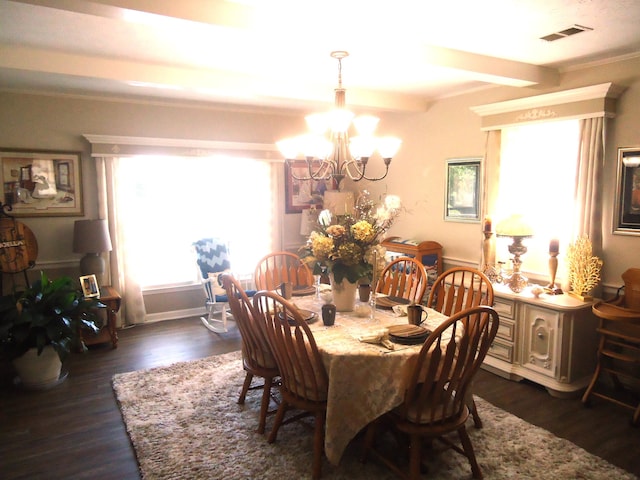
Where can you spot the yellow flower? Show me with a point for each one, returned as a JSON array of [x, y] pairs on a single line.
[[321, 246], [350, 253], [363, 231], [336, 231]]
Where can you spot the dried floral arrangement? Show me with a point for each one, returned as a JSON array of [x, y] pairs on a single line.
[[584, 267]]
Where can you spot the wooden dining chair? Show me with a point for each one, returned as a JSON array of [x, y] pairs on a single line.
[[257, 359], [434, 402], [304, 380], [457, 289], [404, 277], [279, 267]]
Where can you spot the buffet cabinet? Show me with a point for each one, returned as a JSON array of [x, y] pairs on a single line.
[[551, 340]]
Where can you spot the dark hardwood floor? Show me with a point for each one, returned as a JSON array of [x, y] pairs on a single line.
[[75, 431]]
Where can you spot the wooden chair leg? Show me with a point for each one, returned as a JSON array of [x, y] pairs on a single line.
[[264, 404], [278, 421], [415, 457], [477, 421], [592, 384], [369, 436], [245, 388], [470, 454]]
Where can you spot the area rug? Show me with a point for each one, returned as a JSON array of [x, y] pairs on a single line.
[[184, 423]]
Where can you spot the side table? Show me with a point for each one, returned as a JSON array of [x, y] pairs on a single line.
[[111, 298]]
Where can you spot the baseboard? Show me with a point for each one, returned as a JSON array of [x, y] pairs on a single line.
[[175, 314]]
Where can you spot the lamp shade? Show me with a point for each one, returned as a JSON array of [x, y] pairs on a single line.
[[514, 226], [91, 236]]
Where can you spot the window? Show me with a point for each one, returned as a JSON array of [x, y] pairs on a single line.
[[538, 165], [167, 203]]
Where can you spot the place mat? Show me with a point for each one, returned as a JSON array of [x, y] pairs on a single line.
[[408, 334], [302, 290], [390, 302]]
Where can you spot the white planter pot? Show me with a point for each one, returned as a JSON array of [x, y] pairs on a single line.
[[39, 371], [344, 294]]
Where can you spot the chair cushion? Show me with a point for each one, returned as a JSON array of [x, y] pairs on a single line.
[[212, 255]]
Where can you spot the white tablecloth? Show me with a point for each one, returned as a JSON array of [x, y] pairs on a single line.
[[365, 380]]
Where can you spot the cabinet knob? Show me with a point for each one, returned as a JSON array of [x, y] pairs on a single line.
[[540, 335]]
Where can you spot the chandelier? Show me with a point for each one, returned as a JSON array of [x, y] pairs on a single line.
[[327, 149]]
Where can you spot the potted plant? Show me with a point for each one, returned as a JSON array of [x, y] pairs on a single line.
[[40, 325]]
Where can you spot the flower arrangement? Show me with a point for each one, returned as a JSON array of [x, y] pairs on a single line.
[[347, 246], [584, 268]]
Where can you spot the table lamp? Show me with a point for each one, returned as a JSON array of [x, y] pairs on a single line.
[[91, 237], [518, 229]]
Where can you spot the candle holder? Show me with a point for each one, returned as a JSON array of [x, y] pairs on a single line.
[[488, 257], [552, 288]]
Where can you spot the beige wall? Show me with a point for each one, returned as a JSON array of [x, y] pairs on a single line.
[[448, 129]]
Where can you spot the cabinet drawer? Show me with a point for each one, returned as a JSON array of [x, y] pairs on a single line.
[[501, 351], [506, 330], [505, 308]]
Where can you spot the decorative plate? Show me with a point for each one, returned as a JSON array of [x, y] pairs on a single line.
[[408, 334], [301, 290], [390, 302]]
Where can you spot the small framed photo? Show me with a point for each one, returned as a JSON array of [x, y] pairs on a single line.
[[627, 200], [89, 286], [464, 178]]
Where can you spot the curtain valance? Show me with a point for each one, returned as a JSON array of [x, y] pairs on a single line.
[[120, 146], [579, 103]]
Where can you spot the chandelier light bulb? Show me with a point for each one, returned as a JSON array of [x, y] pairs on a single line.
[[388, 146], [318, 123], [366, 124], [340, 120], [362, 147]]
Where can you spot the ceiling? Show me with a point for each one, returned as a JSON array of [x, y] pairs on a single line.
[[404, 54]]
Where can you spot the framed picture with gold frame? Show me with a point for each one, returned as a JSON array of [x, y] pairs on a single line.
[[38, 183], [627, 199], [89, 286]]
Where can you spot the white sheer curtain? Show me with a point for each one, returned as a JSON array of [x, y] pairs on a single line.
[[158, 205], [132, 309], [588, 194]]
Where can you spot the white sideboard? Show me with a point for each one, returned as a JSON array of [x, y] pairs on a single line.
[[551, 340]]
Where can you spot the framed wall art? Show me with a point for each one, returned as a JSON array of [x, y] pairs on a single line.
[[462, 201], [39, 183], [302, 194], [627, 200]]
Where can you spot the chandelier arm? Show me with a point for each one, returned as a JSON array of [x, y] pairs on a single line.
[[361, 173], [327, 167], [347, 167]]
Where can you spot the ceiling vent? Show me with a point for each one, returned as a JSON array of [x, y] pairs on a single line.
[[567, 32]]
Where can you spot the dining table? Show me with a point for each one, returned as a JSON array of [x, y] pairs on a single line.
[[367, 377]]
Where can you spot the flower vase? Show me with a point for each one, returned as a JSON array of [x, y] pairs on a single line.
[[344, 294]]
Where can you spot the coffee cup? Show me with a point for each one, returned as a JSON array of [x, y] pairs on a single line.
[[286, 290], [328, 314], [364, 292], [416, 314]]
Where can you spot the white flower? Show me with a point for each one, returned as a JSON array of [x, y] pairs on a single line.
[[392, 202]]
